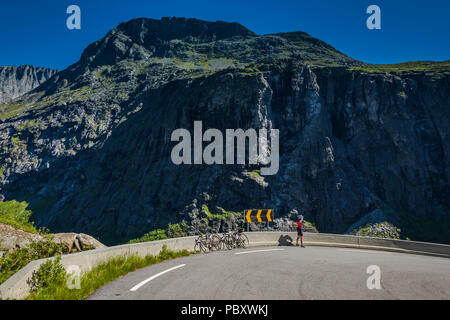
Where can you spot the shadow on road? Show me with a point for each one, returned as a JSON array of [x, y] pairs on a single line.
[[285, 240]]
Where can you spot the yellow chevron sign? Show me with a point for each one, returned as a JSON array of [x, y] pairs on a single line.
[[258, 215]]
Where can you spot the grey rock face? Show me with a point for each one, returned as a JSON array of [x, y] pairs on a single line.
[[78, 242], [12, 239], [90, 149], [16, 81]]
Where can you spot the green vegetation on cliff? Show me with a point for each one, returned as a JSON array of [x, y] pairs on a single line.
[[16, 215], [176, 230], [384, 230], [407, 226], [413, 66], [8, 110]]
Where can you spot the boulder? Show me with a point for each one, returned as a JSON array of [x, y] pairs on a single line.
[[12, 239]]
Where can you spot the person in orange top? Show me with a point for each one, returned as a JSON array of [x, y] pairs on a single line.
[[300, 230]]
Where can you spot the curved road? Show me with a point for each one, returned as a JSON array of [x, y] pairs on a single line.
[[285, 273]]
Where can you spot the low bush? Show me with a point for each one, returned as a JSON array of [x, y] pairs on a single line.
[[49, 273], [13, 261]]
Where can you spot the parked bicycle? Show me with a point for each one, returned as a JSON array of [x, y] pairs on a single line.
[[207, 242], [227, 241], [242, 239], [233, 239]]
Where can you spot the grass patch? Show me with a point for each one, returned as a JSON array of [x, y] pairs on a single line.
[[255, 172], [9, 110], [29, 124], [426, 66], [15, 214], [218, 216], [98, 276], [223, 216]]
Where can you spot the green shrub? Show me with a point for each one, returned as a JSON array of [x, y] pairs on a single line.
[[159, 234], [13, 261], [177, 230], [173, 231], [384, 230], [49, 273]]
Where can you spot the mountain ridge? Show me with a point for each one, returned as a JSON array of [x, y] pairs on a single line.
[[18, 80], [90, 148]]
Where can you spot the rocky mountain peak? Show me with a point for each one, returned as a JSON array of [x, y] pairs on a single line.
[[143, 30], [186, 38], [141, 38]]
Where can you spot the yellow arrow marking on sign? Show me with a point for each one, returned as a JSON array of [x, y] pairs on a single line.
[[249, 212], [269, 218], [258, 216]]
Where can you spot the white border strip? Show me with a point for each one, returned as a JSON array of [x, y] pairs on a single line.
[[364, 251], [244, 252], [136, 287]]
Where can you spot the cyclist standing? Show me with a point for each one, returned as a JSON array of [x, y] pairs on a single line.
[[300, 230]]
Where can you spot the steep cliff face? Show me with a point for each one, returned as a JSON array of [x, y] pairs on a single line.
[[90, 149], [15, 81]]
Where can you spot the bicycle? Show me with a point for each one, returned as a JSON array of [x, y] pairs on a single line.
[[207, 243], [227, 241], [200, 244], [242, 240]]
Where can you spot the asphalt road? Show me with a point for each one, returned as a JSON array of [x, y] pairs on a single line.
[[285, 273]]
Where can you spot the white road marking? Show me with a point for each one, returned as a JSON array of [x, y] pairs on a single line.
[[364, 251], [244, 252], [136, 287]]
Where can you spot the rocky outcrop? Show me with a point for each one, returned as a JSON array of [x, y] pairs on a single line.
[[16, 81], [77, 242], [383, 230], [12, 239], [90, 148]]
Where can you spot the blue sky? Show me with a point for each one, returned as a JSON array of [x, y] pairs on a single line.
[[34, 32]]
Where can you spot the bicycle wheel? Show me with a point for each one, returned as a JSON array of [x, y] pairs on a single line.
[[222, 242], [243, 241], [215, 243], [200, 245], [197, 244], [228, 242]]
